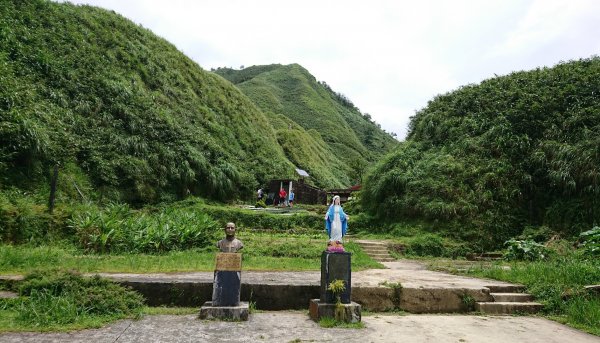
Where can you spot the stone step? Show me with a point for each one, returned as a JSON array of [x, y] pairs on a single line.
[[512, 297], [506, 288], [380, 257], [385, 259], [8, 295], [379, 253], [382, 247], [372, 244], [375, 250], [478, 258], [507, 307], [593, 289], [488, 256]]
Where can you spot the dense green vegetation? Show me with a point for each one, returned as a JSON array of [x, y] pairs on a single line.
[[118, 229], [123, 113], [325, 134], [486, 161], [558, 283], [59, 300]]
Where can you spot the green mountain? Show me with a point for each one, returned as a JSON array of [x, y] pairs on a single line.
[[124, 114], [343, 139], [488, 160]]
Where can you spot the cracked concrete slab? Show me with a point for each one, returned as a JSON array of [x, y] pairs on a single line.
[[411, 274], [288, 326]]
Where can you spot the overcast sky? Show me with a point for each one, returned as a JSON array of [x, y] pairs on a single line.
[[388, 57]]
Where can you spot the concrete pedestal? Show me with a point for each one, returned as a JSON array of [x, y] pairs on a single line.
[[335, 266], [233, 313], [226, 288], [349, 313], [227, 284]]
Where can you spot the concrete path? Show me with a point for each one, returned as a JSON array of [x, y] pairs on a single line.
[[287, 326], [409, 273], [414, 274]]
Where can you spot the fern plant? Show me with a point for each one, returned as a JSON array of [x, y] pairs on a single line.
[[337, 287]]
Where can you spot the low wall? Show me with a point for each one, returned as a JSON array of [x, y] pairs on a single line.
[[287, 297]]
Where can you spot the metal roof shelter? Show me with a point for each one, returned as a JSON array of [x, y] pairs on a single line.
[[302, 172]]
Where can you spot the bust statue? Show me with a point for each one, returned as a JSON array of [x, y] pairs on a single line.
[[230, 243]]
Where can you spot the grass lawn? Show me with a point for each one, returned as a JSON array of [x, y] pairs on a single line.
[[9, 319], [262, 251]]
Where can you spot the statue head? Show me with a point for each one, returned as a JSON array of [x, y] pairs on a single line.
[[336, 200], [230, 230]]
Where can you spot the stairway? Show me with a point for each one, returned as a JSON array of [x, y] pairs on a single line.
[[508, 299], [8, 295], [377, 250], [486, 256]]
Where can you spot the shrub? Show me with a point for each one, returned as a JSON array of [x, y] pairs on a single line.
[[456, 250], [64, 297], [427, 245], [589, 241], [527, 250], [537, 233], [298, 249], [364, 222], [261, 203], [263, 221], [21, 220], [119, 229]]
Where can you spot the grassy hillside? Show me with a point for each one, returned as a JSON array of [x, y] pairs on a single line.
[[291, 91], [489, 160], [123, 112]]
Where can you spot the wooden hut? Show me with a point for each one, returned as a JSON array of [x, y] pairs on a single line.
[[303, 192], [345, 194]]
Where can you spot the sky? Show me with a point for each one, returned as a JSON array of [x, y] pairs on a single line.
[[388, 57]]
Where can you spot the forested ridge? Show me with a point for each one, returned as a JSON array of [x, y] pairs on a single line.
[[123, 109], [491, 159], [314, 123], [127, 117]]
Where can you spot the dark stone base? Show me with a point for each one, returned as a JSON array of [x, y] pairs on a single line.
[[230, 313], [349, 314], [226, 288], [336, 266]]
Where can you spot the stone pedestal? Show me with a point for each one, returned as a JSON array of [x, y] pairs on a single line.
[[335, 266], [226, 288], [232, 313], [349, 313], [227, 283]]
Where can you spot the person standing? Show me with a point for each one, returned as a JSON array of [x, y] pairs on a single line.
[[282, 195], [291, 198], [259, 194]]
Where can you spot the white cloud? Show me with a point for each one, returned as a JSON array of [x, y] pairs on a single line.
[[388, 57]]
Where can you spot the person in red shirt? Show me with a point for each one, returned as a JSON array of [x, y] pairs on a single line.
[[282, 195]]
